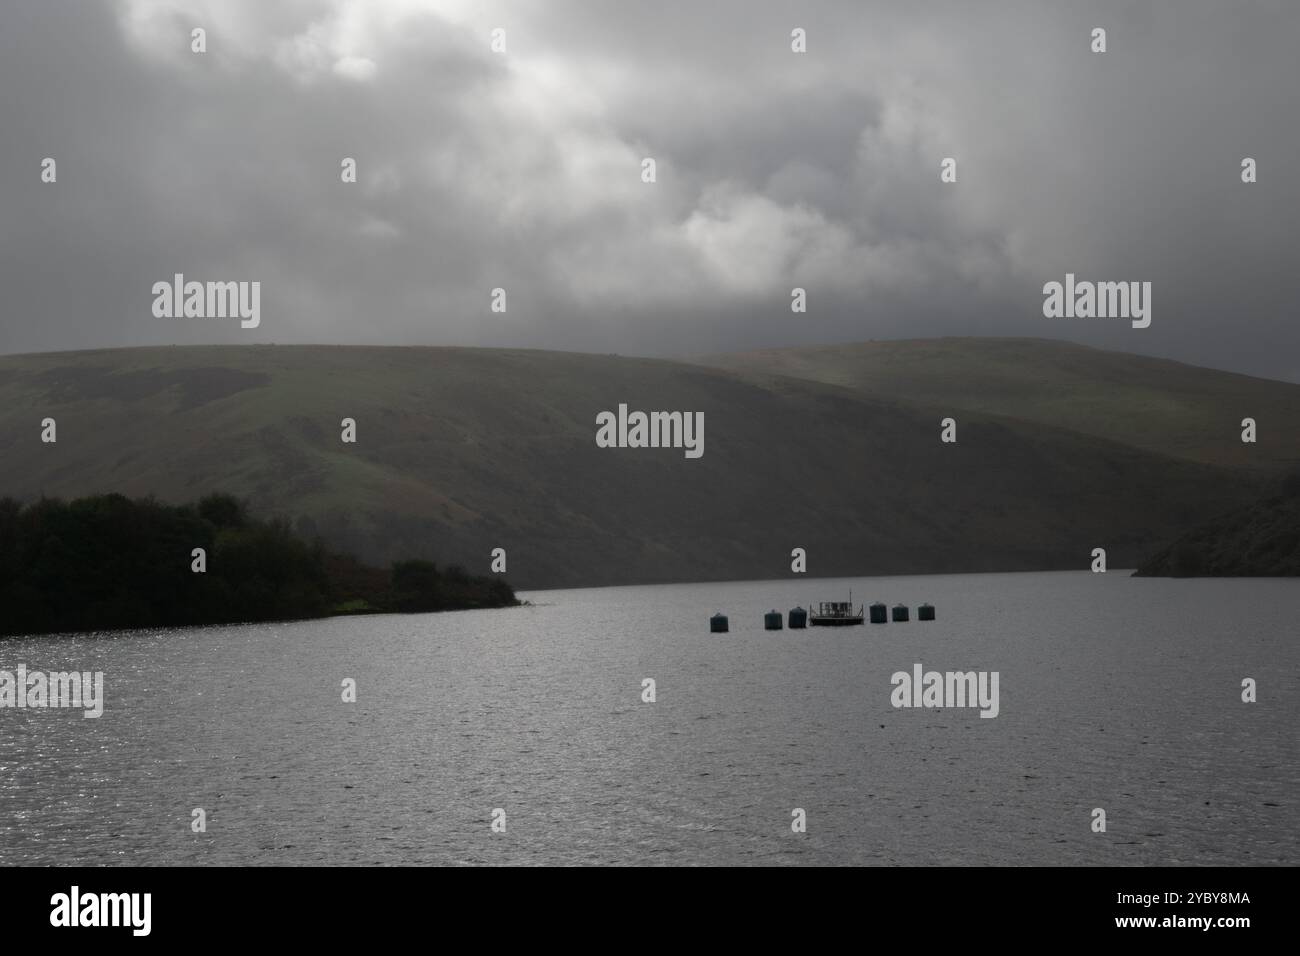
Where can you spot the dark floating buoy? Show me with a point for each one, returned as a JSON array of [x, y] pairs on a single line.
[[718, 624], [900, 612], [772, 620], [798, 617], [879, 613], [925, 612]]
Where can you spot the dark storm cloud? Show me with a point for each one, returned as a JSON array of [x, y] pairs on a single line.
[[774, 170]]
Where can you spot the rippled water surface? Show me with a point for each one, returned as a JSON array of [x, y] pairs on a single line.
[[1115, 692]]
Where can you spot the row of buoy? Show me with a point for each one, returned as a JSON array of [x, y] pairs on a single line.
[[798, 617], [924, 612]]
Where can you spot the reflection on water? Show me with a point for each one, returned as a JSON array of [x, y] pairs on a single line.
[[1115, 692]]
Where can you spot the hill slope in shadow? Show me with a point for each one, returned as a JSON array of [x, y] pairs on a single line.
[[1261, 539], [460, 451]]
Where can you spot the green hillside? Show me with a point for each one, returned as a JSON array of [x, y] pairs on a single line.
[[461, 451], [1161, 406]]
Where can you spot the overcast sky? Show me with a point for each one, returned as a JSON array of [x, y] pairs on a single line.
[[775, 169]]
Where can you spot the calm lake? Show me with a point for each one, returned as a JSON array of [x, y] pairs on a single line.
[[1116, 693]]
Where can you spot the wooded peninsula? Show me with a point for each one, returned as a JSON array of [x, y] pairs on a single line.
[[109, 563]]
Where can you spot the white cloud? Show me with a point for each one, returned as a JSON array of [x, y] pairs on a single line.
[[356, 68]]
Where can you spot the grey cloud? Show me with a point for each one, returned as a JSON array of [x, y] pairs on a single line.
[[775, 170]]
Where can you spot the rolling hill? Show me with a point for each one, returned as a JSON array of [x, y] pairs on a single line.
[[460, 451], [1153, 404]]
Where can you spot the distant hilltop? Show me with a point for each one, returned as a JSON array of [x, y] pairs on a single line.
[[463, 453], [1182, 411]]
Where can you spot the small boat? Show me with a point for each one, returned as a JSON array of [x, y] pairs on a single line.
[[836, 614]]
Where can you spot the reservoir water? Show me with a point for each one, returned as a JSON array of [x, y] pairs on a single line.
[[1116, 693]]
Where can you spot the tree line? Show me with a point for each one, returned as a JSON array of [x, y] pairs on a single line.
[[109, 562]]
